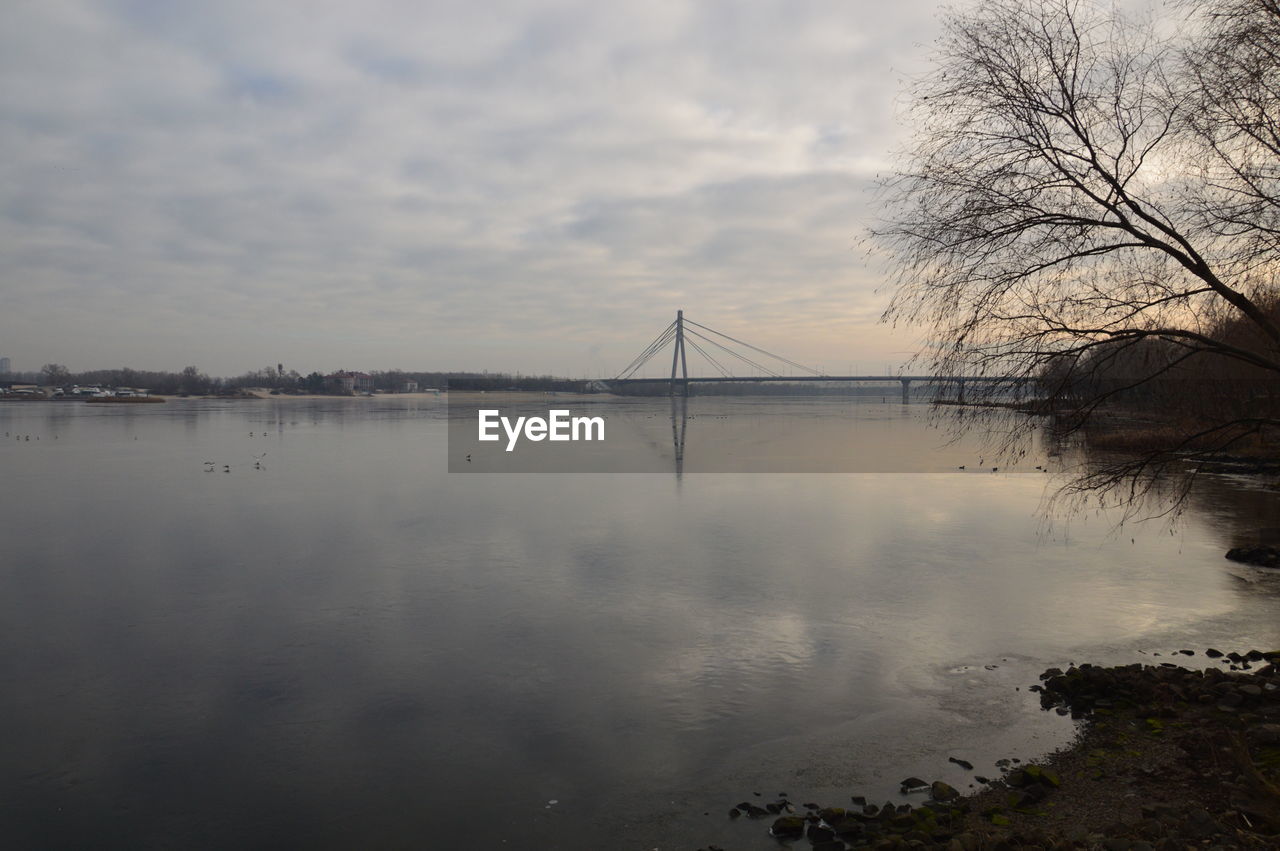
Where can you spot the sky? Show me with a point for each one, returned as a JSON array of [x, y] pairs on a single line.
[[514, 185]]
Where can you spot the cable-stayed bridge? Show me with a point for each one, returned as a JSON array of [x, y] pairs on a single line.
[[725, 354]]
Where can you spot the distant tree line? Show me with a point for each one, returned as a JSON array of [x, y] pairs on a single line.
[[193, 381]]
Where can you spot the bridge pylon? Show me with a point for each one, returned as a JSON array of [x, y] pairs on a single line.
[[678, 358]]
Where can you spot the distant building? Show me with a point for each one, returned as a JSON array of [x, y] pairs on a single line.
[[5, 366], [348, 383], [410, 386]]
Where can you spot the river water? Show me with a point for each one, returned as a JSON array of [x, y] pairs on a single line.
[[285, 623]]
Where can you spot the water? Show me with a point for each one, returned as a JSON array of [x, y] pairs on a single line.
[[340, 644]]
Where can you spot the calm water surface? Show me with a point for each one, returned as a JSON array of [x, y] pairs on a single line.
[[348, 646]]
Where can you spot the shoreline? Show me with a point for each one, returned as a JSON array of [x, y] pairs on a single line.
[[1167, 757]]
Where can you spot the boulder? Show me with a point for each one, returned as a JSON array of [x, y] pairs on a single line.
[[1258, 556], [790, 827], [941, 791]]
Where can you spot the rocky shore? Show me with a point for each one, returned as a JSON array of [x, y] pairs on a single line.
[[1168, 757]]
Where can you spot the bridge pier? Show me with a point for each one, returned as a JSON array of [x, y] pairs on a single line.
[[906, 390], [960, 391]]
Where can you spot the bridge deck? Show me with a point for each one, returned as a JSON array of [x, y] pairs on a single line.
[[739, 379]]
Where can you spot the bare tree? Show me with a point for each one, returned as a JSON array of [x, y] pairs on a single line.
[[54, 375], [1086, 206]]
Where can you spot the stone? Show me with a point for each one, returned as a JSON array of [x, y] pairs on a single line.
[[1258, 556], [1201, 825], [1265, 734], [818, 833], [963, 763], [913, 784], [941, 791], [788, 827], [1213, 654], [1232, 699]]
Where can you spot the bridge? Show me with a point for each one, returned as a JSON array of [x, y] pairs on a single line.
[[702, 339]]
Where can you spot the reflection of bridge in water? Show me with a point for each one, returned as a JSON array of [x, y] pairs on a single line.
[[684, 332]]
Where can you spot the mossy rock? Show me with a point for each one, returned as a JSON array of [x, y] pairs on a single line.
[[788, 826]]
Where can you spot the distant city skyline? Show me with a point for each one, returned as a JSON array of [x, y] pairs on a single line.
[[512, 186]]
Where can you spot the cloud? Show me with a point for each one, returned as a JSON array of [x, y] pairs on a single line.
[[439, 185]]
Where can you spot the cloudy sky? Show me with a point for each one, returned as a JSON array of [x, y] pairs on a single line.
[[530, 185]]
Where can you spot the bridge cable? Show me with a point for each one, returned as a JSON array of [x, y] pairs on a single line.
[[737, 355], [649, 351], [709, 358], [755, 348], [655, 347], [656, 344]]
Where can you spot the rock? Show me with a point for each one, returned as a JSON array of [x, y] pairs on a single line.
[[913, 784], [850, 829], [1259, 556], [1032, 796], [1231, 699], [1265, 734], [941, 791], [963, 763], [1201, 825], [818, 833], [788, 827], [833, 845], [1250, 690], [981, 779], [1213, 654], [858, 801]]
